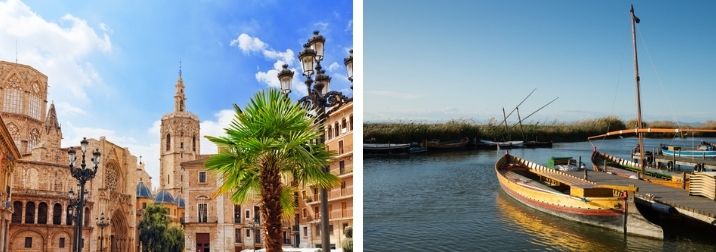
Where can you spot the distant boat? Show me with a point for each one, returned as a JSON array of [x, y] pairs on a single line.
[[569, 197], [628, 169], [703, 150], [506, 144], [373, 149], [447, 145], [565, 164]]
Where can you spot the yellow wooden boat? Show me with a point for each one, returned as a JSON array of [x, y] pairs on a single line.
[[573, 198]]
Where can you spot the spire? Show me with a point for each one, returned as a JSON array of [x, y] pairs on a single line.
[[51, 119], [179, 98]]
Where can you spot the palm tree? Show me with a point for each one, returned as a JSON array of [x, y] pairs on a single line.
[[271, 141]]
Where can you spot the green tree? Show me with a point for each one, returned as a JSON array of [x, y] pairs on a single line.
[[271, 139], [347, 243], [155, 232]]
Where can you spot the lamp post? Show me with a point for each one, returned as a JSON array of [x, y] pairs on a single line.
[[102, 223], [317, 101], [83, 173]]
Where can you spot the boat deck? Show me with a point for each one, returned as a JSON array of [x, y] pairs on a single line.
[[517, 178], [564, 177], [675, 197]]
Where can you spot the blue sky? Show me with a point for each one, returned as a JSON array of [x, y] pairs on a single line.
[[442, 60], [112, 65]]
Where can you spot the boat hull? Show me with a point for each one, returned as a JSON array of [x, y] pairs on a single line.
[[690, 153], [605, 212]]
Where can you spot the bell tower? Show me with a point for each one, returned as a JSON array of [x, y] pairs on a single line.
[[179, 142]]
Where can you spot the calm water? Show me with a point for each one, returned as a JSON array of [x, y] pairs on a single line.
[[452, 202]]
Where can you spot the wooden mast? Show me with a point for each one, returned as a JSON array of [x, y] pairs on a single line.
[[634, 21]]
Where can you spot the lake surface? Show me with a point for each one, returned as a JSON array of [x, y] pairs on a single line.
[[453, 202]]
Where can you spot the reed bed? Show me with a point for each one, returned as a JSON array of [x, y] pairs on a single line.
[[407, 132]]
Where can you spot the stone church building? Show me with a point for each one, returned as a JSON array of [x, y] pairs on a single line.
[[41, 179]]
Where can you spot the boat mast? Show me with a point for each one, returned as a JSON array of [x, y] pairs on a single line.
[[634, 21]]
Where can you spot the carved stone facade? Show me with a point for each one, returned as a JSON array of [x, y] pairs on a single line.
[[8, 159], [41, 179]]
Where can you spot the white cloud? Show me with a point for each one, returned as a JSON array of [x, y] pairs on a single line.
[[333, 67], [349, 26], [249, 44], [321, 26], [67, 109], [58, 49], [222, 119]]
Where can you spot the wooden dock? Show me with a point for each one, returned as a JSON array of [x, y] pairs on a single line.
[[697, 207]]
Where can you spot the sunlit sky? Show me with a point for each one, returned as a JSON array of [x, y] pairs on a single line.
[[442, 60], [112, 65]]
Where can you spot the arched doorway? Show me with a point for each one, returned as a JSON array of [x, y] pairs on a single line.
[[118, 239]]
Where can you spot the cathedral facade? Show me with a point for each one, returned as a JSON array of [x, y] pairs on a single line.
[[40, 182]]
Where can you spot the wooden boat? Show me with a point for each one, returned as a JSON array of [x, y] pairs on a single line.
[[565, 164], [372, 149], [703, 150], [437, 144], [628, 169], [564, 195], [506, 144]]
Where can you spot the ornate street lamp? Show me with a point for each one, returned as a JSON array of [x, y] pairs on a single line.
[[83, 173], [102, 223], [317, 101]]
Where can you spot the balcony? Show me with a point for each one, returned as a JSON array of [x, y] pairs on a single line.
[[196, 220]]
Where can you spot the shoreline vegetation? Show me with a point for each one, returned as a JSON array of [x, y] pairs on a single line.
[[494, 130]]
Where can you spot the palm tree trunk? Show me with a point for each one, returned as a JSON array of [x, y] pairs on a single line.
[[271, 211]]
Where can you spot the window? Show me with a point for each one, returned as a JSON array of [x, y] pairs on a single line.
[[193, 143], [62, 242], [343, 185], [316, 213], [330, 230], [168, 142], [34, 139], [34, 107], [257, 215], [305, 213], [181, 145], [330, 132], [342, 167], [17, 212], [42, 213], [335, 129], [144, 205], [68, 217], [202, 177], [237, 213], [202, 213], [28, 242], [87, 216], [13, 101], [340, 147], [57, 214], [344, 205], [305, 231], [237, 235], [344, 127], [257, 237], [30, 213], [351, 122], [248, 233]]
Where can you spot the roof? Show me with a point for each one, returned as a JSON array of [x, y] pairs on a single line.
[[143, 191], [164, 197], [180, 202]]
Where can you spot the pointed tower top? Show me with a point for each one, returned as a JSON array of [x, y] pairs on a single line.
[[51, 119], [179, 98]]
